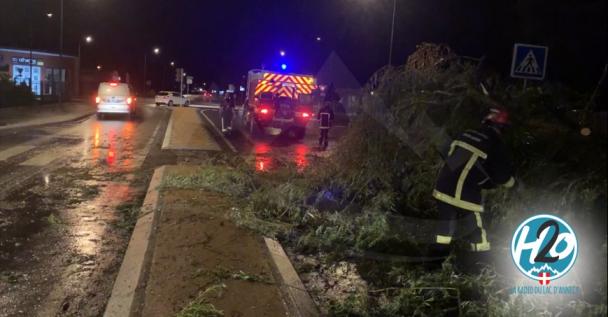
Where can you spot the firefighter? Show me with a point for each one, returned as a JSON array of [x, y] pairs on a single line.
[[477, 160], [226, 110], [325, 117]]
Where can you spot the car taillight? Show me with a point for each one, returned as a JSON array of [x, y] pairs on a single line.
[[129, 101], [97, 99], [305, 115], [264, 111], [113, 84]]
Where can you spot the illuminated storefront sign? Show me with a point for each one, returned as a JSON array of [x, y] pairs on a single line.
[[22, 75], [27, 61]]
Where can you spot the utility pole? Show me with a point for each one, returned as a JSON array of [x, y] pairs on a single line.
[[62, 78], [145, 69], [181, 85], [390, 50]]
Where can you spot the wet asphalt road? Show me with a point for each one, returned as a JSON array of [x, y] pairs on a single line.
[[67, 195], [70, 194], [269, 151]]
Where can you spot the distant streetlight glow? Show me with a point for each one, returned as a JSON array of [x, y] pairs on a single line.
[[283, 66], [49, 15], [172, 63], [156, 51], [88, 39], [98, 67], [319, 39], [282, 53]]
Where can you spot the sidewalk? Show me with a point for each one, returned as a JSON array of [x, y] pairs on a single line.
[[190, 246], [186, 131], [20, 117]]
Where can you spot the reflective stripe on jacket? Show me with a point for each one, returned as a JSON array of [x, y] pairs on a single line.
[[477, 160]]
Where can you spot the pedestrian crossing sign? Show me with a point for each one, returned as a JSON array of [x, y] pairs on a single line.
[[529, 61]]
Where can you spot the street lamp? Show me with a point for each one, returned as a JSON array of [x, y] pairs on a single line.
[[318, 39], [98, 67], [172, 63], [156, 51], [88, 40], [49, 15], [282, 52], [390, 50]]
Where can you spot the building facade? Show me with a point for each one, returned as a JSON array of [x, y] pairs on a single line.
[[48, 74]]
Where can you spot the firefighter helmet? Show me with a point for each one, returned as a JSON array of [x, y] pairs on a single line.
[[498, 116]]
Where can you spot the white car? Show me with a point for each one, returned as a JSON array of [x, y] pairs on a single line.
[[115, 98], [171, 98]]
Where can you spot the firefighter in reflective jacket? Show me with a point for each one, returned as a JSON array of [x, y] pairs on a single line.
[[226, 112], [325, 117], [477, 160]]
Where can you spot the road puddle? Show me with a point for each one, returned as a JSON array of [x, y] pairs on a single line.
[[268, 156]]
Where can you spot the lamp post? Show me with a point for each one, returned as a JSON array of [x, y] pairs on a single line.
[[156, 51], [61, 51], [390, 50], [87, 39]]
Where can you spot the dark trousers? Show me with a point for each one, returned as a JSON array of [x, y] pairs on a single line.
[[324, 138], [460, 224], [226, 117]]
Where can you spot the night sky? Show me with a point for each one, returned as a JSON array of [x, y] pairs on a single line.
[[218, 41]]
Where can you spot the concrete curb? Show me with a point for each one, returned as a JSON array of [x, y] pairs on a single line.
[[298, 301], [217, 130], [168, 131], [133, 270], [21, 126]]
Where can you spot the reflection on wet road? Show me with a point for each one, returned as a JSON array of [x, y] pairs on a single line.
[[269, 152], [63, 192], [267, 155]]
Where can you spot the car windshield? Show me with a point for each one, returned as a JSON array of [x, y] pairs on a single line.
[[266, 96], [164, 93], [113, 89]]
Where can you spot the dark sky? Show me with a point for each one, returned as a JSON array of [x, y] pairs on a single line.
[[220, 40]]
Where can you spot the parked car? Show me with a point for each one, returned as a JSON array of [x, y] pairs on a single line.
[[171, 98], [115, 98]]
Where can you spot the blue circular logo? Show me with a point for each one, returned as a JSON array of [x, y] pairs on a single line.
[[544, 248]]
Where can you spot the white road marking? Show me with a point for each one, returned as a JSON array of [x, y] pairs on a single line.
[[13, 151], [232, 148], [19, 149], [46, 157], [206, 106], [167, 138], [139, 159]]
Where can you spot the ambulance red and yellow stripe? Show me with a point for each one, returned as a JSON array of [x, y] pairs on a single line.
[[286, 85]]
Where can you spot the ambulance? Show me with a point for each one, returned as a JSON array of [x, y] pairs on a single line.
[[278, 103]]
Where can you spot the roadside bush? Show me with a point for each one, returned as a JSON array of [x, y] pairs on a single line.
[[385, 168], [12, 95]]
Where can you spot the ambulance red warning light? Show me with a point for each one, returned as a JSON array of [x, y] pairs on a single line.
[[278, 103]]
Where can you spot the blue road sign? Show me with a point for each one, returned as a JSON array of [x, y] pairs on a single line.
[[529, 61]]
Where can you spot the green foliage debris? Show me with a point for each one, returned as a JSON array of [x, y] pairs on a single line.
[[374, 194], [200, 307]]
